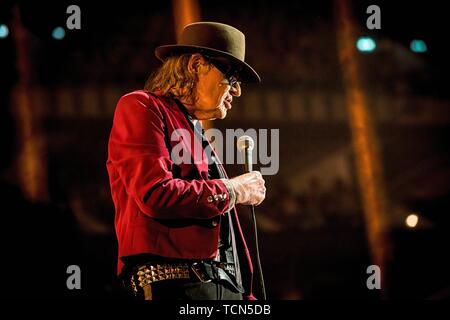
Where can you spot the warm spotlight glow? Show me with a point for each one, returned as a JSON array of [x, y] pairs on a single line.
[[412, 220]]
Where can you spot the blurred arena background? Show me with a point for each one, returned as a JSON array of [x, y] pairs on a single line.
[[59, 88]]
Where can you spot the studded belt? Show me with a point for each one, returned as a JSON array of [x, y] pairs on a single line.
[[149, 273]]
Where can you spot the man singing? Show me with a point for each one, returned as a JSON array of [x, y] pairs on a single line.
[[177, 227]]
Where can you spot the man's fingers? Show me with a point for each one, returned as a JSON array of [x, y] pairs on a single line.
[[250, 188]]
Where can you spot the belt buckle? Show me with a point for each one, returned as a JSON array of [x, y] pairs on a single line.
[[228, 267], [202, 276]]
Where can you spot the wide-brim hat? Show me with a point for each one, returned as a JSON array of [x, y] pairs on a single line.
[[216, 40]]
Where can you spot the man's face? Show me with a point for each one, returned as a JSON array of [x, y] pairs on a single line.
[[214, 93]]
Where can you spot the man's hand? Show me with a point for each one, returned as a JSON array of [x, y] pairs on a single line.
[[249, 188]]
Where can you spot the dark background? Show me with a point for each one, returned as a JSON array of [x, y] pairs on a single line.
[[312, 228]]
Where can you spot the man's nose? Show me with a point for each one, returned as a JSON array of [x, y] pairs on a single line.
[[236, 90]]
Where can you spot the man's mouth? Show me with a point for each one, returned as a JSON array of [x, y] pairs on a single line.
[[227, 102]]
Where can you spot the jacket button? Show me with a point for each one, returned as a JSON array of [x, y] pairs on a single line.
[[210, 199], [214, 223]]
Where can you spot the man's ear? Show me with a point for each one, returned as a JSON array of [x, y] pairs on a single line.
[[195, 62]]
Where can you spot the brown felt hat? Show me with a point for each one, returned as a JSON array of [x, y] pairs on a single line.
[[216, 40]]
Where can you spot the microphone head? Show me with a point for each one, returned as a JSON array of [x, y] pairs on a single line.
[[245, 142]]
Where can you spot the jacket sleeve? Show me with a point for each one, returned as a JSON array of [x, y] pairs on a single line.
[[139, 152]]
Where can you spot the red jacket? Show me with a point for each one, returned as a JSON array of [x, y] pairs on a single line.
[[150, 191]]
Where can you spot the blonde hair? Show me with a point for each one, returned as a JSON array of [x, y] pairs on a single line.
[[174, 79]]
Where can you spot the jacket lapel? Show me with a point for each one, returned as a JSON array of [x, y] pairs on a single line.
[[195, 149]]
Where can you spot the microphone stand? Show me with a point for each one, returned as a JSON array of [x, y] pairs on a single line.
[[247, 147], [258, 260]]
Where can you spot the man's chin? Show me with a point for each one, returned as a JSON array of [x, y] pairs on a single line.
[[222, 115], [223, 112], [219, 113]]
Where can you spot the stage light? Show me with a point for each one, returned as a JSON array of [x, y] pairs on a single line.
[[4, 31], [366, 44], [418, 46], [58, 33], [412, 220]]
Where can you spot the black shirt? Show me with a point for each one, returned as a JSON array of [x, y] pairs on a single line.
[[227, 244]]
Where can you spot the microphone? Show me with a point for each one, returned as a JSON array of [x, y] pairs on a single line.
[[246, 144]]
